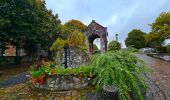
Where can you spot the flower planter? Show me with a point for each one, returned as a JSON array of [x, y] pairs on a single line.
[[60, 82]]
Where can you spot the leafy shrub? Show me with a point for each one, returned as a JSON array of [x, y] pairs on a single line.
[[161, 49], [119, 69], [132, 49], [114, 45], [40, 70], [168, 49], [122, 70]]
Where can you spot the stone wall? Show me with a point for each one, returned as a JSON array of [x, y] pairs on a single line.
[[75, 57], [58, 82]]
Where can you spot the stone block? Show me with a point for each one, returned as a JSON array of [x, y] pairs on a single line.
[[52, 82], [51, 85]]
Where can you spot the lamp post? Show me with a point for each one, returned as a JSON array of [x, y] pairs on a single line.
[[116, 37]]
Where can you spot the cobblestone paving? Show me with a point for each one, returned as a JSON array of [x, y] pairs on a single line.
[[23, 93], [159, 78]]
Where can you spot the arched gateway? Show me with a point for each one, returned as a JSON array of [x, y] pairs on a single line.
[[93, 31]]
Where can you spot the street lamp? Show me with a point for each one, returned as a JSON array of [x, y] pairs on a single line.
[[116, 37]]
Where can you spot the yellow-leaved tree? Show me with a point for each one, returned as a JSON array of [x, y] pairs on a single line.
[[72, 35]]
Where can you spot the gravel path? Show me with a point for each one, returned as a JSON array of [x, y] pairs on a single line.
[[14, 80], [160, 77]]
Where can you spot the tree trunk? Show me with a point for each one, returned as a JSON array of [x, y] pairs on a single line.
[[2, 56], [17, 56], [1, 53]]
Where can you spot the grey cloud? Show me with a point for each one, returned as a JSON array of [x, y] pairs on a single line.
[[120, 16]]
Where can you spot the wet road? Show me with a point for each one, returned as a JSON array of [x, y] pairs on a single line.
[[160, 75]]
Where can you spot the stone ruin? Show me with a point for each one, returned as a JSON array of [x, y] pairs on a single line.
[[76, 57], [93, 31], [60, 83]]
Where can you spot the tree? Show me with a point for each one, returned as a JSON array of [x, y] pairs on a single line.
[[76, 39], [136, 39], [3, 43], [70, 27], [25, 20], [114, 45], [74, 24], [72, 36], [160, 30]]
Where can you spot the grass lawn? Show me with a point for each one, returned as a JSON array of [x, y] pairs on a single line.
[[11, 70]]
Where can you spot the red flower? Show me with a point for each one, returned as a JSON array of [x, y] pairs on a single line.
[[52, 71], [34, 80], [41, 80]]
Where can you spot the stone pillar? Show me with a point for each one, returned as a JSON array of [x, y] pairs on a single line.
[[91, 48], [103, 43]]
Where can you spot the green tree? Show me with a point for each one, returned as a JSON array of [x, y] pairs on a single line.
[[25, 20], [3, 43], [114, 45], [136, 39], [160, 30]]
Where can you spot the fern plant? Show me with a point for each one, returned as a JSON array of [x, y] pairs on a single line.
[[122, 70]]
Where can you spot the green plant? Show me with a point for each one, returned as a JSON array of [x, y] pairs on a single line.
[[168, 49], [132, 49], [114, 45], [122, 70], [81, 71], [161, 49], [119, 69]]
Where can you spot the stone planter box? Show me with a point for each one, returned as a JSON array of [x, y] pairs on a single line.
[[59, 82]]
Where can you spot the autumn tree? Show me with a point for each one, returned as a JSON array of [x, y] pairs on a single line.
[[160, 30], [72, 34], [136, 39]]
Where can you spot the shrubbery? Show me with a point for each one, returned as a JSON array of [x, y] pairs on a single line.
[[168, 49], [120, 69], [114, 45]]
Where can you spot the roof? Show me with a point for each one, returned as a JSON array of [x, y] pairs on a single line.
[[93, 21], [98, 25]]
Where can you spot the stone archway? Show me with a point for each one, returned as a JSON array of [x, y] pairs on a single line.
[[93, 31]]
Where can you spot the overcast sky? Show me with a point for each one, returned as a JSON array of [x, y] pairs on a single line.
[[119, 16]]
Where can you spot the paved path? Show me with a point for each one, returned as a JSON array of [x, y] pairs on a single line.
[[14, 80], [160, 75]]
